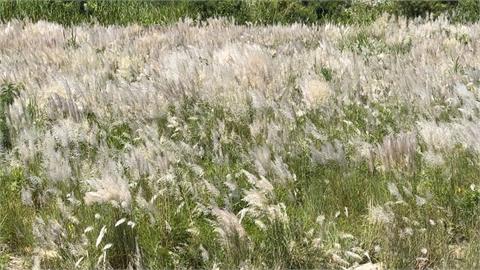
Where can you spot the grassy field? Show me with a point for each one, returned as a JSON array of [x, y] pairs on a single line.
[[220, 146]]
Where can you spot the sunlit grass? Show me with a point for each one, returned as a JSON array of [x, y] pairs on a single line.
[[262, 147]]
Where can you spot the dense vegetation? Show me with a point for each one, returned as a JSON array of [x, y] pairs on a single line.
[[293, 146], [349, 140], [160, 12]]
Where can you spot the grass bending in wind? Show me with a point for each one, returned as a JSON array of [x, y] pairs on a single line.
[[264, 147]]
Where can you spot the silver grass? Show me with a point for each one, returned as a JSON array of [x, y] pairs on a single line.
[[228, 226], [268, 74], [109, 189], [397, 151], [380, 215]]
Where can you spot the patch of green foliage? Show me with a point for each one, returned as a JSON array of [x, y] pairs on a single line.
[[8, 93], [72, 12], [368, 44], [15, 217]]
